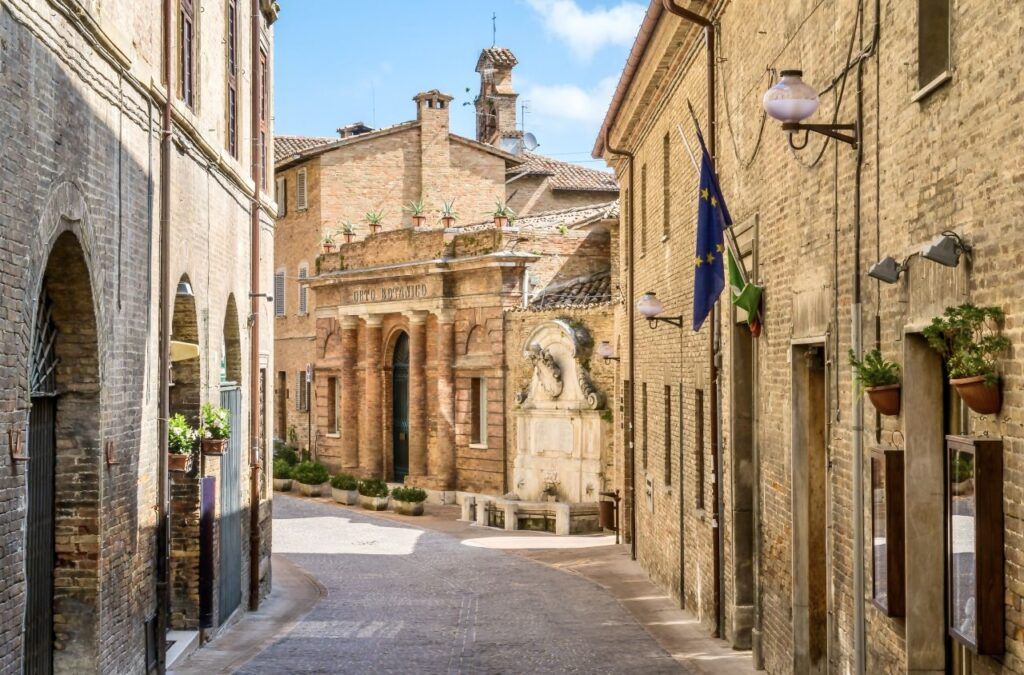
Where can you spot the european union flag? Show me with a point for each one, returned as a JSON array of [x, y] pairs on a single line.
[[712, 219]]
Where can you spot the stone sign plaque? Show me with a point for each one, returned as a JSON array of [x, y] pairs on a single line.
[[390, 291]]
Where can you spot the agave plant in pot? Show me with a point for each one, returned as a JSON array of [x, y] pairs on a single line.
[[311, 477], [348, 230], [448, 214], [408, 501], [344, 488], [216, 429], [373, 494], [502, 215], [416, 209], [181, 441], [282, 475], [375, 219], [879, 379], [969, 340]]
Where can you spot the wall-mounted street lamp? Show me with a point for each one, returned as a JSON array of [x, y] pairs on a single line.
[[606, 351], [887, 270], [791, 101], [650, 307], [945, 249]]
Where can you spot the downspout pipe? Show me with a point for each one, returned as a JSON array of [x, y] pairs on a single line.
[[163, 598], [629, 482], [714, 336], [254, 313], [857, 402]]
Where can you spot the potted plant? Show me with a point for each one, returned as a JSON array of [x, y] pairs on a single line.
[[348, 230], [448, 214], [375, 219], [216, 429], [408, 501], [344, 488], [968, 339], [282, 475], [373, 494], [880, 379], [181, 441], [502, 215], [327, 241], [311, 477], [415, 209]]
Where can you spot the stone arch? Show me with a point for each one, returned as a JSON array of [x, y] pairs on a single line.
[[231, 368], [62, 548], [398, 407], [476, 340], [186, 380]]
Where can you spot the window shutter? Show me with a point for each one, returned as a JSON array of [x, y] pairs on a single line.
[[282, 197], [300, 384], [300, 190], [279, 294], [303, 272]]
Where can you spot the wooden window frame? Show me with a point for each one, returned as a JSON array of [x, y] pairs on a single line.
[[281, 196], [934, 46], [264, 114], [187, 52], [303, 291], [302, 189], [478, 412], [333, 425], [698, 447], [280, 293], [666, 178], [231, 63], [643, 210]]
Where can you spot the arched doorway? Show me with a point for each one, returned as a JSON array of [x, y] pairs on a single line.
[[400, 408], [62, 580], [230, 564]]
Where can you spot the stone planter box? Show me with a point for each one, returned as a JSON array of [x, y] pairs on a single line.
[[373, 503], [282, 484], [178, 462], [348, 497], [409, 508], [214, 447], [310, 490]]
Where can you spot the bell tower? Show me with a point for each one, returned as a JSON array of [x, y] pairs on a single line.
[[496, 103]]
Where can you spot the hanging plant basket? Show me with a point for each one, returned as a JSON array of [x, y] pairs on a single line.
[[178, 463], [215, 447], [978, 396], [886, 399]]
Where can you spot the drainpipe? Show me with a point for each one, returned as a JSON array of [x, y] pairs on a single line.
[[629, 480], [714, 336], [857, 402], [254, 313], [163, 598]]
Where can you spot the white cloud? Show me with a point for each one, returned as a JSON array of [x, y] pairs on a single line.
[[588, 31], [571, 102]]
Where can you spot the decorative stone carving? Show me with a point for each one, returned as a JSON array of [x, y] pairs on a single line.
[[546, 370], [593, 397]]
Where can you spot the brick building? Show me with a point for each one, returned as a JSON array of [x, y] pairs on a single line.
[[325, 183], [791, 568], [100, 220]]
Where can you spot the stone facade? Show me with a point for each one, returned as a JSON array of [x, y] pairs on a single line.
[[788, 403], [80, 236]]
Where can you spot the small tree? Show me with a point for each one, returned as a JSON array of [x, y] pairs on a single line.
[[968, 339]]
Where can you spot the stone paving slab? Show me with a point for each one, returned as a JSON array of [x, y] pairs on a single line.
[[402, 599]]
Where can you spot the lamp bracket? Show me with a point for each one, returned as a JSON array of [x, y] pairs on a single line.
[[676, 321], [830, 130]]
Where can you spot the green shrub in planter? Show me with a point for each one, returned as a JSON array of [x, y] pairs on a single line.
[[282, 469], [373, 487], [409, 494], [344, 481], [310, 473], [287, 452]]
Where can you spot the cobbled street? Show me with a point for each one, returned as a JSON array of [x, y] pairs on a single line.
[[402, 599]]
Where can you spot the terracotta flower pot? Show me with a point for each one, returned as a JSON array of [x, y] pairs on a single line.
[[310, 490], [419, 221], [178, 462], [373, 503], [328, 248], [215, 446], [374, 229], [978, 396], [409, 508], [886, 399], [348, 237], [348, 497], [501, 222], [282, 485], [448, 222]]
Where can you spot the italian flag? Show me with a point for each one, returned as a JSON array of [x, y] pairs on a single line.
[[746, 296]]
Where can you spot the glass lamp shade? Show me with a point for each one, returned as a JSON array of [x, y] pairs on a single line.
[[791, 99], [649, 305], [605, 350]]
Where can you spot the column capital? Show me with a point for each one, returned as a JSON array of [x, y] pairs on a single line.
[[348, 321], [445, 316], [416, 317], [373, 320]]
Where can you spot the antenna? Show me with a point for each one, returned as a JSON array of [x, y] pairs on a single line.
[[494, 28], [523, 109]]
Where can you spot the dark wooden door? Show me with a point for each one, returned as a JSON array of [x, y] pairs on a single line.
[[231, 506], [400, 408], [39, 554]]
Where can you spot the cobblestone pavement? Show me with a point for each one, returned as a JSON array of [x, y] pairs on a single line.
[[405, 600]]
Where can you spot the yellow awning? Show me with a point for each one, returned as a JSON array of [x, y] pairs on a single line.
[[183, 351]]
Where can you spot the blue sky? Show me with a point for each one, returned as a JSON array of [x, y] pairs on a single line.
[[341, 61]]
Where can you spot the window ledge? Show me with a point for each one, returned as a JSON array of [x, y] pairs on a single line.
[[932, 86], [478, 446], [333, 435]]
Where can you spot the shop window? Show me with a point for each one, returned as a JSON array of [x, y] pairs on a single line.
[[478, 411]]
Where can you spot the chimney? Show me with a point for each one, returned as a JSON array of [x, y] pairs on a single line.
[[496, 104], [435, 159], [354, 129]]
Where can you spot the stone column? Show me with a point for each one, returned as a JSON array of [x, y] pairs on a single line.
[[443, 466], [417, 394], [371, 449], [349, 394]]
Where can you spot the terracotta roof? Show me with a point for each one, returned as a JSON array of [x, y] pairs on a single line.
[[576, 216], [289, 145], [564, 175], [585, 292], [499, 56]]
